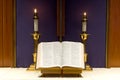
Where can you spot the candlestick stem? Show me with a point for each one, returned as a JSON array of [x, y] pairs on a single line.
[[84, 37], [35, 36]]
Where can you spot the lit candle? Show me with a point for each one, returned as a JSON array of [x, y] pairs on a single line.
[[35, 20], [84, 22], [35, 10]]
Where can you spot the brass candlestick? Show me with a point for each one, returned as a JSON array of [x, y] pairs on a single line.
[[36, 36], [84, 37]]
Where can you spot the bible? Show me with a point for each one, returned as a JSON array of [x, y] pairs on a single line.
[[52, 57]]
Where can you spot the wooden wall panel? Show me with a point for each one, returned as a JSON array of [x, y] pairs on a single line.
[[1, 32], [114, 34], [7, 33]]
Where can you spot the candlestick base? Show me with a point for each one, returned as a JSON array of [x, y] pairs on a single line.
[[87, 67], [32, 67]]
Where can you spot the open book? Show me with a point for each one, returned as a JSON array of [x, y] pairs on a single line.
[[60, 54]]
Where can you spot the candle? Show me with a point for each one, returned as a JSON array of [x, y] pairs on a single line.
[[35, 20], [84, 22]]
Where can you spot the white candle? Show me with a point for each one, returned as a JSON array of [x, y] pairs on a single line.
[[35, 20], [84, 22]]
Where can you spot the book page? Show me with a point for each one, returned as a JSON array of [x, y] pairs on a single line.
[[73, 54], [49, 54]]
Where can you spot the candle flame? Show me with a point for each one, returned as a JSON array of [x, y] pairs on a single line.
[[84, 13], [35, 10]]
